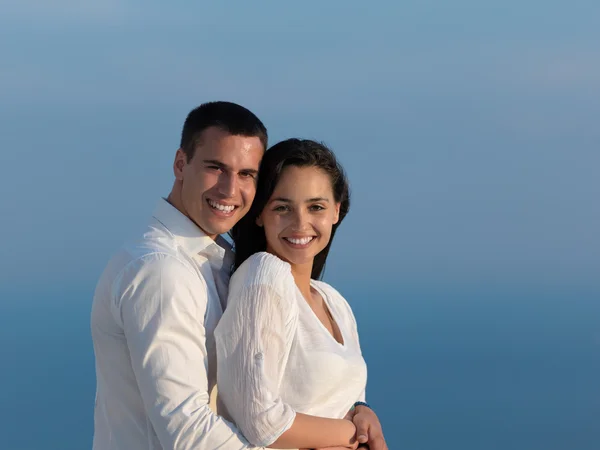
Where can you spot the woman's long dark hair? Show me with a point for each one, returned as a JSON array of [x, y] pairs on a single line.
[[248, 237]]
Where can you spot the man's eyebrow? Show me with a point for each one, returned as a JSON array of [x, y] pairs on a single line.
[[214, 162], [222, 165]]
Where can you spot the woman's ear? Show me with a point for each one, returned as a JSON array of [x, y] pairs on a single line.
[[259, 221], [336, 217]]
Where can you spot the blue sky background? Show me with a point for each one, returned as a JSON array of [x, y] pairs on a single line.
[[470, 131], [471, 134]]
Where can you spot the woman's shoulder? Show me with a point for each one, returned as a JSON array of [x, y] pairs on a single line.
[[334, 295], [262, 268], [337, 301], [265, 282], [326, 287]]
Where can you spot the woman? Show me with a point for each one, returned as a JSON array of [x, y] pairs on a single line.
[[289, 360]]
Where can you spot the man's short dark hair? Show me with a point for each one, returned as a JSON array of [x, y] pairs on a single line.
[[230, 117]]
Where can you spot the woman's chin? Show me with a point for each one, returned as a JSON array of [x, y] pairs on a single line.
[[294, 258], [300, 260]]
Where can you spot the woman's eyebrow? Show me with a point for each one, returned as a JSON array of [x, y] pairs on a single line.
[[310, 200], [280, 199]]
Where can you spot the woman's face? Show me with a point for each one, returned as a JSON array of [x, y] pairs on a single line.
[[299, 215]]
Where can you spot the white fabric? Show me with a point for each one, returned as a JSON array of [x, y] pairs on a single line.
[[153, 316], [275, 357]]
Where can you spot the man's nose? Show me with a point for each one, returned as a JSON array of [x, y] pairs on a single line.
[[227, 184]]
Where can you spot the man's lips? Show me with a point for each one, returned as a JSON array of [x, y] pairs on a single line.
[[221, 207]]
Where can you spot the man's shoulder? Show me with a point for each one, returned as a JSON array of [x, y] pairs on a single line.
[[151, 260], [153, 242], [153, 251]]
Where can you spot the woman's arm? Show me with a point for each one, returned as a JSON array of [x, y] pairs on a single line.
[[317, 432], [254, 338]]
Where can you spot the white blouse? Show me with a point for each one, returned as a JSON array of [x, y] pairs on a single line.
[[276, 358]]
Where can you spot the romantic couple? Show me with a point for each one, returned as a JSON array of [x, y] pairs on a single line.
[[177, 310]]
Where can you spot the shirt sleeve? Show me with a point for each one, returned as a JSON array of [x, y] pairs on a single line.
[[253, 339], [160, 303]]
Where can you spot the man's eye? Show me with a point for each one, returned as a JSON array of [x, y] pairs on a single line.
[[247, 175], [213, 167]]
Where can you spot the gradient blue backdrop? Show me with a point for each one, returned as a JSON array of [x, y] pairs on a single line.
[[470, 131]]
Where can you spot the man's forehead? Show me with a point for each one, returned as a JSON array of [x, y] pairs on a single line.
[[217, 133], [232, 150]]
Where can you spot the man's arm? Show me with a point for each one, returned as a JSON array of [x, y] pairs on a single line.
[[161, 305]]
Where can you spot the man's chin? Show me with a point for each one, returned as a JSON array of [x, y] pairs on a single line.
[[220, 226]]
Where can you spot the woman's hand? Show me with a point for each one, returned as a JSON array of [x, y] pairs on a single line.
[[341, 448], [356, 446], [350, 434]]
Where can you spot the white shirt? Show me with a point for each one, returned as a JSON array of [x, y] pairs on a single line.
[[276, 358], [153, 316]]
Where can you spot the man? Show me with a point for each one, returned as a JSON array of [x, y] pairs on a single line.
[[159, 299]]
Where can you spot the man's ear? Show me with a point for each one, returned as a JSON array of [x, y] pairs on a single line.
[[179, 164], [336, 218]]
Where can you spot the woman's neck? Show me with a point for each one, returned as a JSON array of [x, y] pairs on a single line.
[[301, 274]]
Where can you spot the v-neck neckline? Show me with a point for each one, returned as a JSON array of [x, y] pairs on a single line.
[[326, 301]]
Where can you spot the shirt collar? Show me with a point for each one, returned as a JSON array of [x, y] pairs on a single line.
[[188, 234]]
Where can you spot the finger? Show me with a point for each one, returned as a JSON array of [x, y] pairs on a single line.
[[334, 448], [362, 429], [377, 443], [349, 415]]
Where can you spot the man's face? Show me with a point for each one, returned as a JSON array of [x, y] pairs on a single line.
[[219, 183]]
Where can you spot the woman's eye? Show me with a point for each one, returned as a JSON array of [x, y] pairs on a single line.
[[280, 208], [316, 208]]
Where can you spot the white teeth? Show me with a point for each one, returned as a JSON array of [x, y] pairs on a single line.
[[301, 241], [220, 207]]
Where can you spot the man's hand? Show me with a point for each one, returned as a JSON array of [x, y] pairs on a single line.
[[368, 428]]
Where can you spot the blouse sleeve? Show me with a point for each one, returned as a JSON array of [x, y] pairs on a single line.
[[253, 339]]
